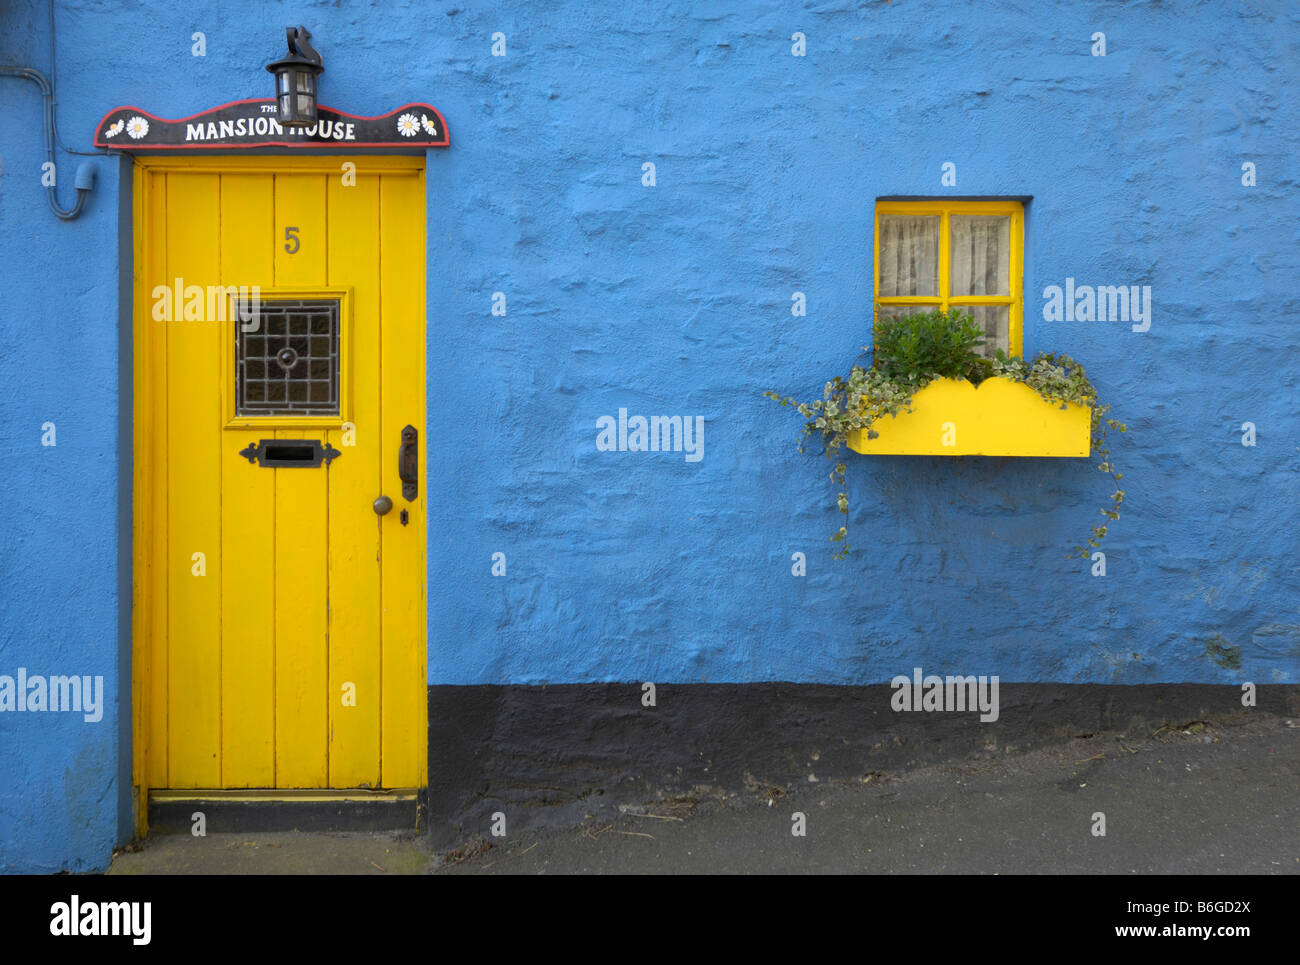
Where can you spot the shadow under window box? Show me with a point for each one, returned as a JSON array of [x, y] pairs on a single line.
[[999, 417]]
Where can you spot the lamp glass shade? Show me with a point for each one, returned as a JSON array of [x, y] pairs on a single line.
[[295, 81], [295, 97]]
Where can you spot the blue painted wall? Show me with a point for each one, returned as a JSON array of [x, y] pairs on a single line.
[[676, 300]]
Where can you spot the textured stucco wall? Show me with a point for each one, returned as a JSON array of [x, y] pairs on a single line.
[[59, 522], [676, 300]]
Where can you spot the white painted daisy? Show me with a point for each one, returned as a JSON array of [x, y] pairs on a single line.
[[115, 129], [428, 126], [137, 127], [408, 125]]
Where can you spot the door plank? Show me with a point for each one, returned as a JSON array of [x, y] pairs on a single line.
[[154, 417], [405, 670], [354, 484], [301, 533], [248, 515], [193, 497]]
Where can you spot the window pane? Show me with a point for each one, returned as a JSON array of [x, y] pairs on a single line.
[[980, 249], [290, 364], [908, 255], [996, 322], [894, 311]]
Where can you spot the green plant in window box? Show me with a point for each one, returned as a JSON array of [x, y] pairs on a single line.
[[911, 351]]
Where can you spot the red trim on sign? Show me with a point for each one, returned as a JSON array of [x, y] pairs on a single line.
[[306, 145]]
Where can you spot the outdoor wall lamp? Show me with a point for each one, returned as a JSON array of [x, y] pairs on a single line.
[[295, 80]]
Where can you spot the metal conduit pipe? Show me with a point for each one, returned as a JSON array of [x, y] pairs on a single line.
[[85, 171]]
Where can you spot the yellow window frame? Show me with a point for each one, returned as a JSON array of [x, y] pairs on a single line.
[[1016, 284]]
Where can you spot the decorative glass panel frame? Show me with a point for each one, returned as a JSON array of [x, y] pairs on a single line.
[[230, 381], [945, 299]]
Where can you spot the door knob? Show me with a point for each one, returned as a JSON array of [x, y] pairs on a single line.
[[382, 505]]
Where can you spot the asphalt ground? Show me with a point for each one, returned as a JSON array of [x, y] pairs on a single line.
[[1201, 798]]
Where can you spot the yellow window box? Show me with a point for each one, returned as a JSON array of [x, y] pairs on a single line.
[[1000, 417]]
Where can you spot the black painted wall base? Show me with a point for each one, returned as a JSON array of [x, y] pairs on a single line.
[[552, 755]]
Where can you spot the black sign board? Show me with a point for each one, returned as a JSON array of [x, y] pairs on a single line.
[[252, 123]]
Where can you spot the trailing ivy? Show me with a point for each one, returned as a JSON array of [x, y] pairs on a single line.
[[913, 350]]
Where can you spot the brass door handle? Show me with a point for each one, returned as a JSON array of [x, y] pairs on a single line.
[[408, 464], [383, 505]]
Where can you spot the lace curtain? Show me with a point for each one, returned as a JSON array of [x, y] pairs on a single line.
[[981, 255], [909, 255]]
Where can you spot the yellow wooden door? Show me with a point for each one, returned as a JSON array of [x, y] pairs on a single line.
[[279, 619]]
